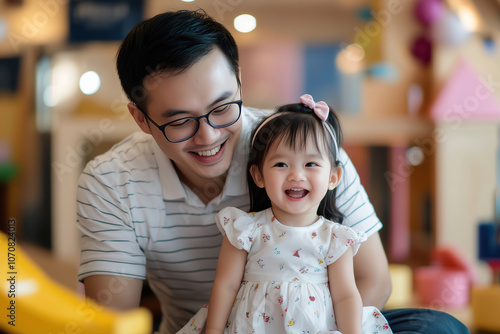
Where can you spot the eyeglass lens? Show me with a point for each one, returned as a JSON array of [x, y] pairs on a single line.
[[220, 117]]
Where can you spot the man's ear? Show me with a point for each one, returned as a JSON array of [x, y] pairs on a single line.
[[139, 118], [335, 176], [257, 176]]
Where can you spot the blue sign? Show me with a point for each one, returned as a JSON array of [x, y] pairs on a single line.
[[9, 77], [325, 82], [103, 20]]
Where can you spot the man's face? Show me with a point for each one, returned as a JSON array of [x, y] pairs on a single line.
[[205, 85]]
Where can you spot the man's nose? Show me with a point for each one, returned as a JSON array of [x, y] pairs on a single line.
[[206, 134]]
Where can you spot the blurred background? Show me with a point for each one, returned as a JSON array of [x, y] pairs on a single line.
[[416, 85]]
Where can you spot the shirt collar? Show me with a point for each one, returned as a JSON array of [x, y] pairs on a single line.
[[171, 186]]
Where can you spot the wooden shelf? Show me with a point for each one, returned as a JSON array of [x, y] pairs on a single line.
[[385, 131]]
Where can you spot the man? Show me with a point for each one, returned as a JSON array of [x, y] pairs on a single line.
[[146, 208]]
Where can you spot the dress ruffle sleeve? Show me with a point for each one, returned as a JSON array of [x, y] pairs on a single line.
[[342, 238], [238, 226]]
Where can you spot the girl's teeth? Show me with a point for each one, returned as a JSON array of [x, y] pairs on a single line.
[[296, 192], [209, 153]]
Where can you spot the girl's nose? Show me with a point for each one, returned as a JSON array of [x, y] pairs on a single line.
[[296, 174]]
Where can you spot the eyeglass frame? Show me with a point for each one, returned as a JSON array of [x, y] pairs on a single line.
[[197, 119]]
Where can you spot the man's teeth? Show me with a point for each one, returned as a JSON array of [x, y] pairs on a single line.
[[209, 153]]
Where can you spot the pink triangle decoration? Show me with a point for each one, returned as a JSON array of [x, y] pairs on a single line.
[[467, 96]]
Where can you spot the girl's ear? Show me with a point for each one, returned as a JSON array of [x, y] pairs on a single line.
[[139, 118], [257, 176], [335, 176]]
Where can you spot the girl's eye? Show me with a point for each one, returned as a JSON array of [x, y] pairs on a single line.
[[311, 164], [280, 164]]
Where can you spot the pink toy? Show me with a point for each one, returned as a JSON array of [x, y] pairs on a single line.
[[447, 283], [429, 11], [466, 96], [451, 258], [439, 287], [485, 300]]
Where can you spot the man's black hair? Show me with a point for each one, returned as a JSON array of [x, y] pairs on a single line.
[[170, 42]]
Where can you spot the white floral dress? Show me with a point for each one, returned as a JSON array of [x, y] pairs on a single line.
[[285, 284]]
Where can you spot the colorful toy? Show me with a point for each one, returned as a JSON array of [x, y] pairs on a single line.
[[402, 289], [447, 282], [33, 303], [429, 11], [485, 300]]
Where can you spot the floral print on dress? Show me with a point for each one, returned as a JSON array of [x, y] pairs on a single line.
[[285, 285]]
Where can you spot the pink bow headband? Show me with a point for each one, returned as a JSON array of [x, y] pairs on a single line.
[[321, 110]]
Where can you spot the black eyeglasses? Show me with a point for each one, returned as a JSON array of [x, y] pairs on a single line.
[[184, 128]]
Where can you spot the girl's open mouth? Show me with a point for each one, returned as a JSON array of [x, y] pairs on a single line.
[[296, 192]]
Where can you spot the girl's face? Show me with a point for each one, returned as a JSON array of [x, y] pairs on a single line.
[[296, 180]]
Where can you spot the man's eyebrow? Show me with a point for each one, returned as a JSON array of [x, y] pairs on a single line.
[[174, 112]]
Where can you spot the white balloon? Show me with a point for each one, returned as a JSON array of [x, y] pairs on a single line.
[[449, 30]]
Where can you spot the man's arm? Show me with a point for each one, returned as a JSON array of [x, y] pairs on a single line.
[[371, 271], [115, 292], [112, 262]]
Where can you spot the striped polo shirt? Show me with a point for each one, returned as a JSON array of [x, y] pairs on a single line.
[[138, 220]]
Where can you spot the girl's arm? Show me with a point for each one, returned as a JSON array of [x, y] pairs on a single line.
[[347, 303], [230, 269]]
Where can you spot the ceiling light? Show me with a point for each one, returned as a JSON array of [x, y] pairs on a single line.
[[90, 82], [245, 23]]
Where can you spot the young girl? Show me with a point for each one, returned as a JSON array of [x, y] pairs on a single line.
[[287, 267]]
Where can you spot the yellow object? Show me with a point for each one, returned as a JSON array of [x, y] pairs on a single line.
[[33, 303], [485, 302], [402, 289]]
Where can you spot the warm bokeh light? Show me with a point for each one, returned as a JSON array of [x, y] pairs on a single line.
[[63, 82], [90, 82], [350, 59], [469, 19], [49, 98], [467, 12], [245, 23], [415, 156]]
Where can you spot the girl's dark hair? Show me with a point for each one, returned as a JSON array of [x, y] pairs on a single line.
[[170, 42], [294, 127]]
